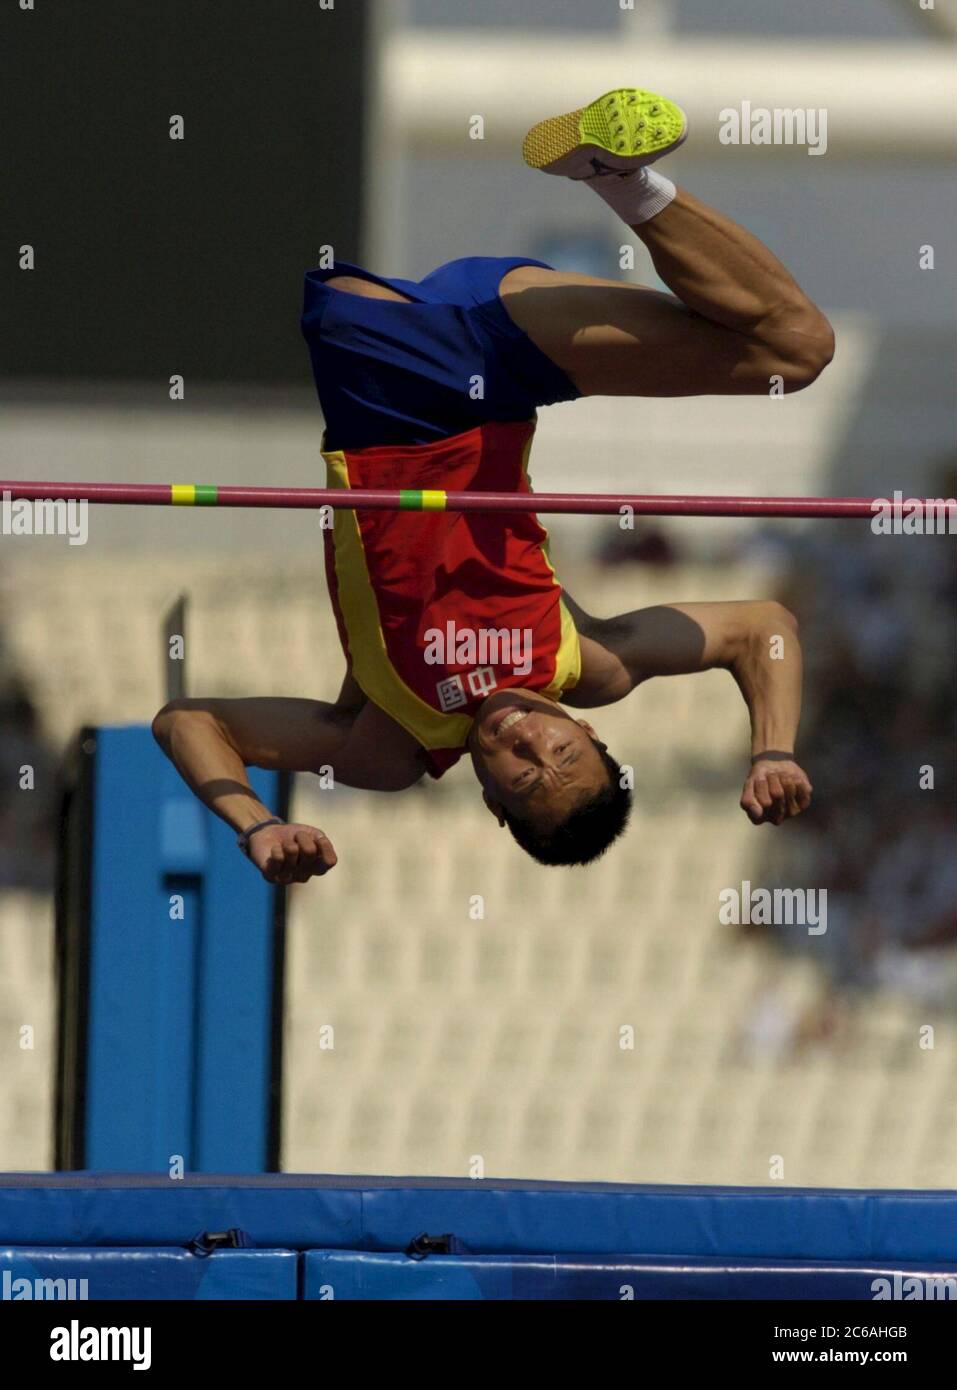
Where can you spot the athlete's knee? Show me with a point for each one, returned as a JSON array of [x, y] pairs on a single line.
[[817, 347], [803, 350]]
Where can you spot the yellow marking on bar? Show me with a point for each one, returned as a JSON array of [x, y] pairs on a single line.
[[183, 494], [433, 500]]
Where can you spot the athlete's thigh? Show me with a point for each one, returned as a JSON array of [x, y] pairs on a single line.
[[614, 339], [365, 289]]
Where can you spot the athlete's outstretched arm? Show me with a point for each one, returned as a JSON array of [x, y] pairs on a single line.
[[212, 742], [756, 641]]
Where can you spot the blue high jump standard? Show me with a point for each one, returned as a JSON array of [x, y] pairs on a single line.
[[170, 953]]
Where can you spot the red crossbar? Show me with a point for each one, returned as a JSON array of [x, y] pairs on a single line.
[[391, 499]]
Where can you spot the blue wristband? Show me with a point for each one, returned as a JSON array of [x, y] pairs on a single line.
[[246, 836]]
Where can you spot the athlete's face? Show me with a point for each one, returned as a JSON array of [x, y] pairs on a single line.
[[533, 759]]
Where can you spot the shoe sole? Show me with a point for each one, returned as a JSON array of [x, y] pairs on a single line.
[[626, 128]]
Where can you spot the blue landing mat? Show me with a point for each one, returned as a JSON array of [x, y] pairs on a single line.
[[30, 1272], [491, 1216], [344, 1275]]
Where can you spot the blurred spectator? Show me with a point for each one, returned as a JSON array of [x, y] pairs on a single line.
[[879, 622], [647, 544]]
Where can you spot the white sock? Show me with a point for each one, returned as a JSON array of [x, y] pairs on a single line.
[[636, 196]]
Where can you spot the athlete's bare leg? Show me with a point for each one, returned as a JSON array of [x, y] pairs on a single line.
[[737, 318], [366, 289]]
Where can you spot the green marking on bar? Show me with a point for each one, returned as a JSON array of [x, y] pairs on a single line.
[[207, 495], [410, 499]]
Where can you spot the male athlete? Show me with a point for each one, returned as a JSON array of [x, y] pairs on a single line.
[[457, 634]]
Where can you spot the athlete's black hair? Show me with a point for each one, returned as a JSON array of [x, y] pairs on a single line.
[[586, 833]]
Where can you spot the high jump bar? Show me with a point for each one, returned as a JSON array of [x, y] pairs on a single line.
[[414, 499]]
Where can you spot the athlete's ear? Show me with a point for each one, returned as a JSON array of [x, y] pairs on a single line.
[[589, 731], [495, 807]]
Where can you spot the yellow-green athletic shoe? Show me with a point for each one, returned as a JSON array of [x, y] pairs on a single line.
[[622, 130]]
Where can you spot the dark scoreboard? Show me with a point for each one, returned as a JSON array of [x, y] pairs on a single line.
[[156, 255]]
